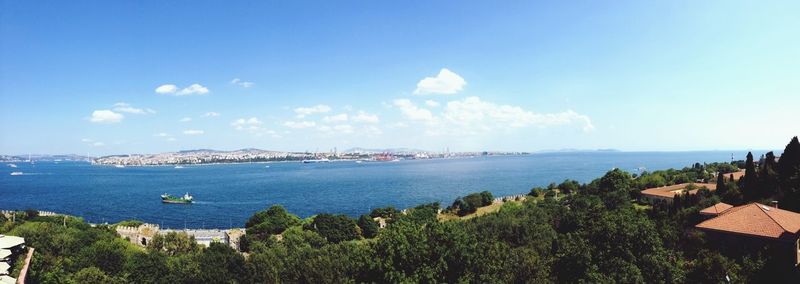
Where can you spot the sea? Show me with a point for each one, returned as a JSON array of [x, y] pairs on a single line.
[[226, 195]]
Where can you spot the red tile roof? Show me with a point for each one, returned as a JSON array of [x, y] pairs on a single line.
[[757, 220], [736, 175], [672, 190], [716, 209]]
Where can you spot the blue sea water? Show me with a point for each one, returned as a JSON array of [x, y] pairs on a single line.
[[226, 195]]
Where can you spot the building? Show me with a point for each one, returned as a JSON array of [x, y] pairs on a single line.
[[381, 222], [667, 193], [755, 225], [715, 210], [204, 237], [10, 249]]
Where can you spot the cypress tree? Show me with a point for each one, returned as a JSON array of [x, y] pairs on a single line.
[[750, 184], [789, 175], [721, 184], [768, 176]]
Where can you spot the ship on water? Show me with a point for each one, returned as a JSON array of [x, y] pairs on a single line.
[[186, 199], [314, 161]]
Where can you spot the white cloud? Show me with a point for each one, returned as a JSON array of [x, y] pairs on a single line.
[[193, 89], [445, 83], [162, 134], [411, 111], [304, 111], [250, 124], [365, 117], [167, 89], [432, 103], [185, 119], [474, 115], [299, 124], [98, 144], [211, 114], [342, 117], [343, 128], [193, 132], [106, 116], [241, 83], [171, 139], [127, 108], [86, 140]]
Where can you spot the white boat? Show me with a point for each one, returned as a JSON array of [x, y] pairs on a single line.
[[16, 173], [119, 166], [267, 167], [179, 167], [12, 165]]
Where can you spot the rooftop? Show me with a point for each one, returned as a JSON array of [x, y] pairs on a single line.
[[7, 242], [756, 220], [672, 190], [716, 209], [4, 253], [7, 280], [736, 175]]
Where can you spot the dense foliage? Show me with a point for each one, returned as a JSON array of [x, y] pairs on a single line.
[[592, 233]]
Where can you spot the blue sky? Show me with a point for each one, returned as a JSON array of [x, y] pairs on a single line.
[[151, 76]]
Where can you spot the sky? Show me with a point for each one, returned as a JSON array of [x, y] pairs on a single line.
[[116, 77]]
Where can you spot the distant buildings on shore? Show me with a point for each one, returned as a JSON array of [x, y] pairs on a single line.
[[256, 155]]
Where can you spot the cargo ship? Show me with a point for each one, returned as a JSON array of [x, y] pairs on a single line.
[[186, 199]]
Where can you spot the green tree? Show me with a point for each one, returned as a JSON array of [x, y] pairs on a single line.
[[789, 175], [91, 275], [750, 184], [219, 263], [721, 188], [173, 243], [369, 228], [569, 186], [335, 228], [271, 221]]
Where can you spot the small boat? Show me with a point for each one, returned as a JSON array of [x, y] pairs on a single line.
[[12, 165], [179, 167], [16, 173], [186, 199], [267, 167], [119, 166], [359, 162]]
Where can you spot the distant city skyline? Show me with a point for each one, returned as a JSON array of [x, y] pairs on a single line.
[[103, 78]]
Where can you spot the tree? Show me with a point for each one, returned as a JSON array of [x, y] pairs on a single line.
[[789, 175], [369, 228], [388, 212], [173, 243], [486, 198], [768, 176], [569, 186], [91, 275], [750, 190], [219, 263], [721, 189], [271, 221], [108, 255], [335, 228]]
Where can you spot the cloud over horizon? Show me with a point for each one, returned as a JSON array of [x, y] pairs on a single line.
[[106, 116], [445, 83]]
